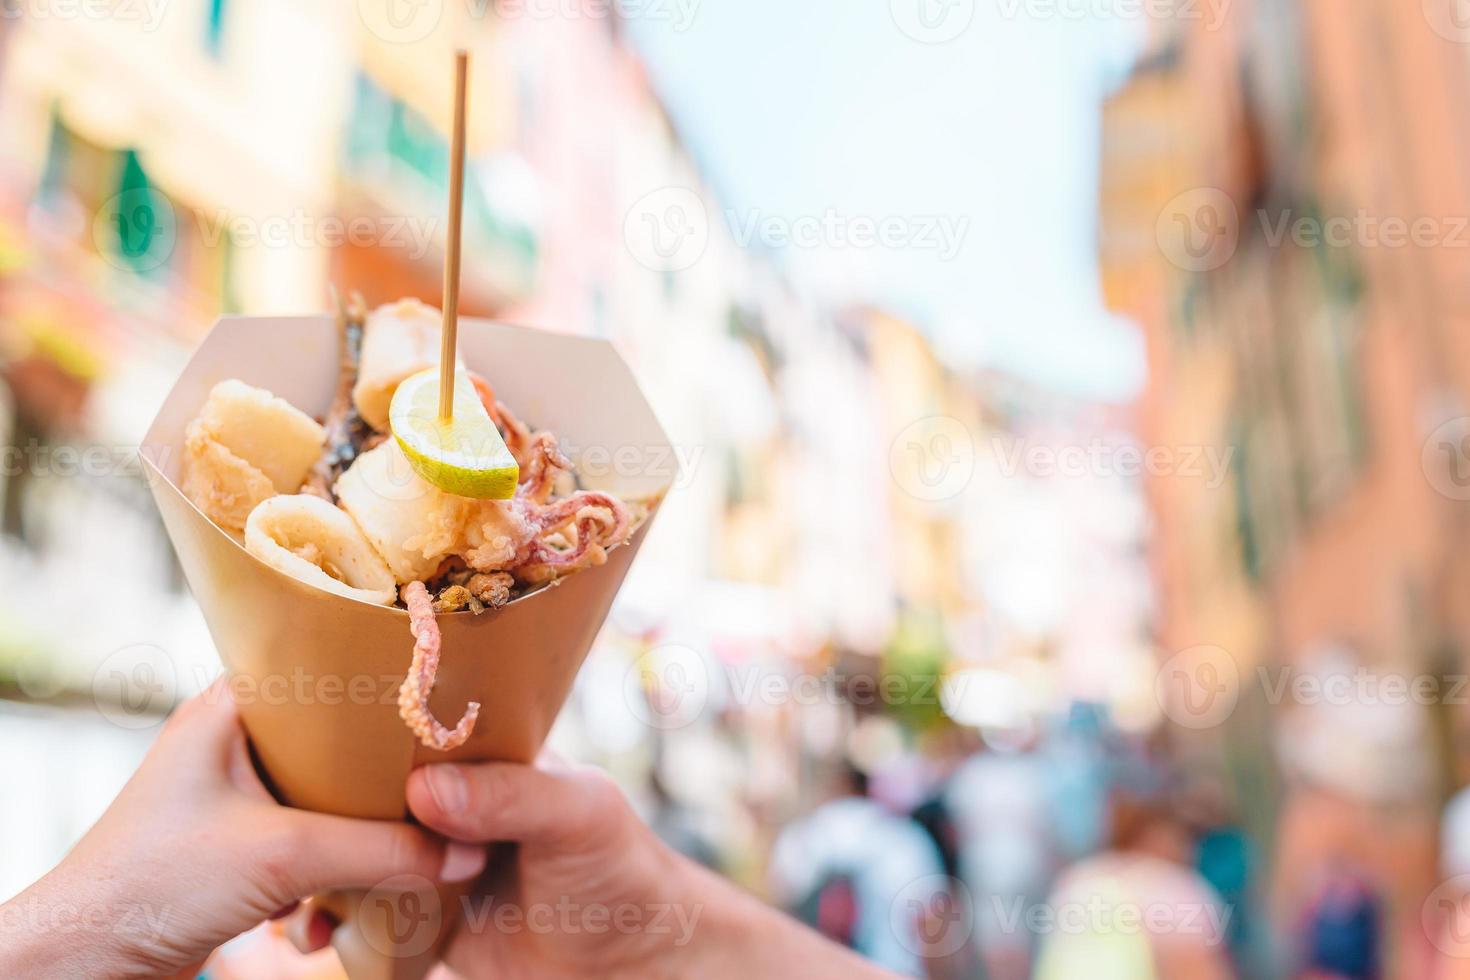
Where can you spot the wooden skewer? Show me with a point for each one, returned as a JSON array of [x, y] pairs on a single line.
[[449, 340]]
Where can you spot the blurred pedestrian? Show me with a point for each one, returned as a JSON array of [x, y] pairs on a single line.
[[1000, 803], [863, 877], [1138, 910]]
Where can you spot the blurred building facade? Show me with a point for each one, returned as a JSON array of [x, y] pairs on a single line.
[[1292, 242], [158, 175]]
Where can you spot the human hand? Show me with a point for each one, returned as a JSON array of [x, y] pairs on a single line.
[[593, 892], [194, 852]]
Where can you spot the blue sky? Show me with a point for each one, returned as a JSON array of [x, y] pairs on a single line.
[[806, 108]]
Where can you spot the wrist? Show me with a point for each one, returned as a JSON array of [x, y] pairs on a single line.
[[59, 928], [738, 934]]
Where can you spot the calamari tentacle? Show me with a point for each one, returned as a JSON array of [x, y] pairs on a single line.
[[517, 433], [601, 520], [539, 470], [413, 696], [557, 515]]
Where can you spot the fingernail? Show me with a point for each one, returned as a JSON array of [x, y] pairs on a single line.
[[447, 787], [462, 861]]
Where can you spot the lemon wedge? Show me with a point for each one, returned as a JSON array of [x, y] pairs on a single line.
[[464, 456]]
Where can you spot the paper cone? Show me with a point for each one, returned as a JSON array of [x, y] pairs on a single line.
[[317, 675]]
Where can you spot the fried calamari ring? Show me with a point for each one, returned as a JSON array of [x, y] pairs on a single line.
[[311, 540]]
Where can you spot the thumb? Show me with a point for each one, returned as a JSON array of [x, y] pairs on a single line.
[[322, 852], [504, 801]]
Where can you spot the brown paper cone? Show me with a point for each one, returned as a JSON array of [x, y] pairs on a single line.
[[317, 675]]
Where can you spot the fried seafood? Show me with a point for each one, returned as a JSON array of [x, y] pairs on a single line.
[[493, 588], [475, 591], [415, 526], [398, 340], [221, 484], [413, 696], [309, 539], [347, 434], [245, 446], [340, 507]]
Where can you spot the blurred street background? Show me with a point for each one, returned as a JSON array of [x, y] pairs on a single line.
[[1067, 572]]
